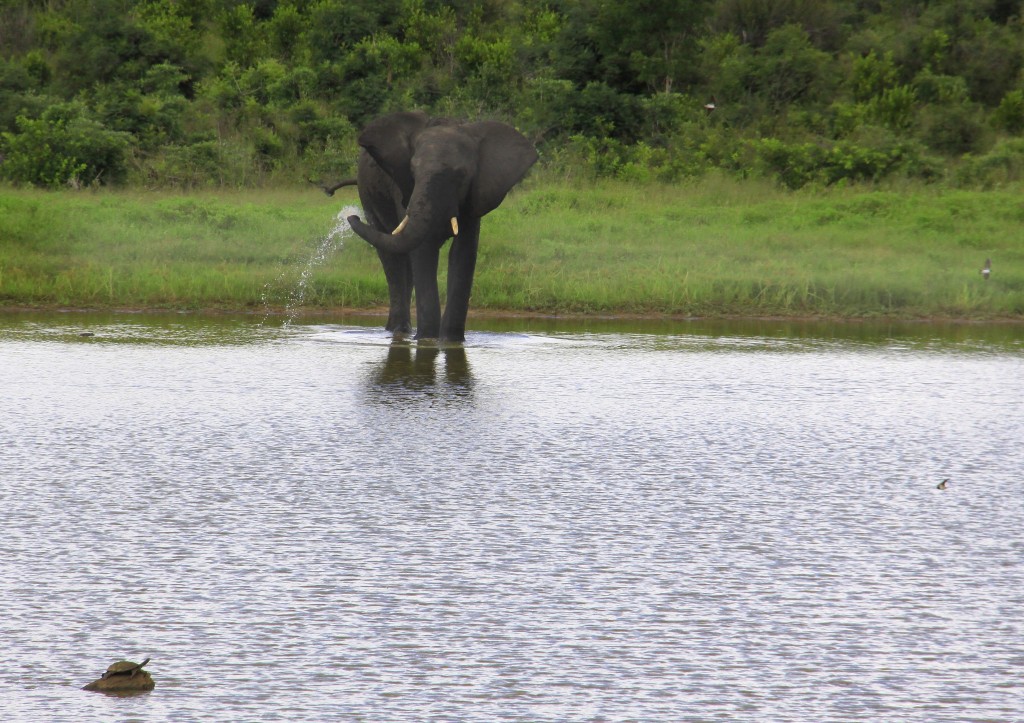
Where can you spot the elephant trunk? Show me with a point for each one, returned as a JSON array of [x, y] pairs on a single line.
[[424, 222]]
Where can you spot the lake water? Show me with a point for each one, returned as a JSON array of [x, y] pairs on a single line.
[[677, 521]]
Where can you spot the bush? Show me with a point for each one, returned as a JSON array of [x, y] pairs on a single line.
[[201, 164], [894, 108], [1003, 164], [847, 161], [1009, 116], [488, 70], [932, 88], [63, 148], [312, 128], [153, 119], [871, 156], [794, 165], [666, 113], [332, 158], [847, 118], [788, 69], [953, 130], [542, 107], [598, 110], [871, 76]]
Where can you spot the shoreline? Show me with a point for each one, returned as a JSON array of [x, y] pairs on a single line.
[[372, 312]]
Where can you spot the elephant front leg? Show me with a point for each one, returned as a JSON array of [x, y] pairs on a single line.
[[461, 267], [398, 272], [428, 300]]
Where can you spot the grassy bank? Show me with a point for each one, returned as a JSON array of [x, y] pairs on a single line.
[[716, 247]]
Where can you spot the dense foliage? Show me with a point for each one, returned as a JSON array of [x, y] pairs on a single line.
[[186, 93]]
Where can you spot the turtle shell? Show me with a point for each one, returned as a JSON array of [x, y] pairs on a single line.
[[122, 667]]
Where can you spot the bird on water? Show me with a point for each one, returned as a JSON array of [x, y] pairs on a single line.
[[942, 485]]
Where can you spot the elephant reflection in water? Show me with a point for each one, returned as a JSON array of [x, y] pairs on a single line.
[[416, 368]]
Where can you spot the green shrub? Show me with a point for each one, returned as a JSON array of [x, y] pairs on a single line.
[[488, 69], [953, 130], [541, 110], [205, 163], [599, 156], [332, 158], [794, 165], [872, 155], [598, 110], [870, 75], [788, 69], [932, 88], [847, 117], [1009, 116], [666, 113], [63, 148], [848, 161], [894, 108], [1002, 165], [153, 119]]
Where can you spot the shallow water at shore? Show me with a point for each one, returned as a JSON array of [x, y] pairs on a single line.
[[601, 521]]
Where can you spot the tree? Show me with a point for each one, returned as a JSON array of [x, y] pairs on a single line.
[[753, 20], [645, 44], [788, 69], [106, 42], [335, 26]]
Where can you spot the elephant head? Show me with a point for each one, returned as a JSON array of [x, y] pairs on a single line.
[[444, 171]]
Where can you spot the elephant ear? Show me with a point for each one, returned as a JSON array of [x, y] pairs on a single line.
[[389, 140], [504, 157]]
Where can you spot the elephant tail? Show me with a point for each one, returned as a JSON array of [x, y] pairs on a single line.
[[329, 190]]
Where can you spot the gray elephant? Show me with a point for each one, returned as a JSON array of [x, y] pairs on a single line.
[[424, 180]]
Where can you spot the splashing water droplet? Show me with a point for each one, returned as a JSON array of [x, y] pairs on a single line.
[[333, 241]]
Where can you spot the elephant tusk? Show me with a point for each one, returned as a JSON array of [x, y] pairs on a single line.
[[455, 226], [400, 226]]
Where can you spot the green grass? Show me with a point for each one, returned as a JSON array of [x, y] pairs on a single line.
[[721, 247], [714, 247], [230, 250]]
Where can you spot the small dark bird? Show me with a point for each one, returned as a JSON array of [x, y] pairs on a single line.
[[986, 270], [942, 485]]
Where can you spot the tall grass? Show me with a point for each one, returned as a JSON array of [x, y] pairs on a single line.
[[722, 247], [231, 250], [714, 247]]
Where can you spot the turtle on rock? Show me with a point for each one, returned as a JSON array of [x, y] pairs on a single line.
[[124, 676]]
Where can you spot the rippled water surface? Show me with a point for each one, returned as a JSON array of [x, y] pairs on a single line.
[[668, 523]]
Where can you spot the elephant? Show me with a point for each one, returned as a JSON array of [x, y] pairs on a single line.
[[421, 181]]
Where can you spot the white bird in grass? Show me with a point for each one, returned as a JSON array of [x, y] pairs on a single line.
[[986, 270]]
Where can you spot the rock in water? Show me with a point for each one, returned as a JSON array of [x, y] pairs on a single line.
[[123, 676]]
